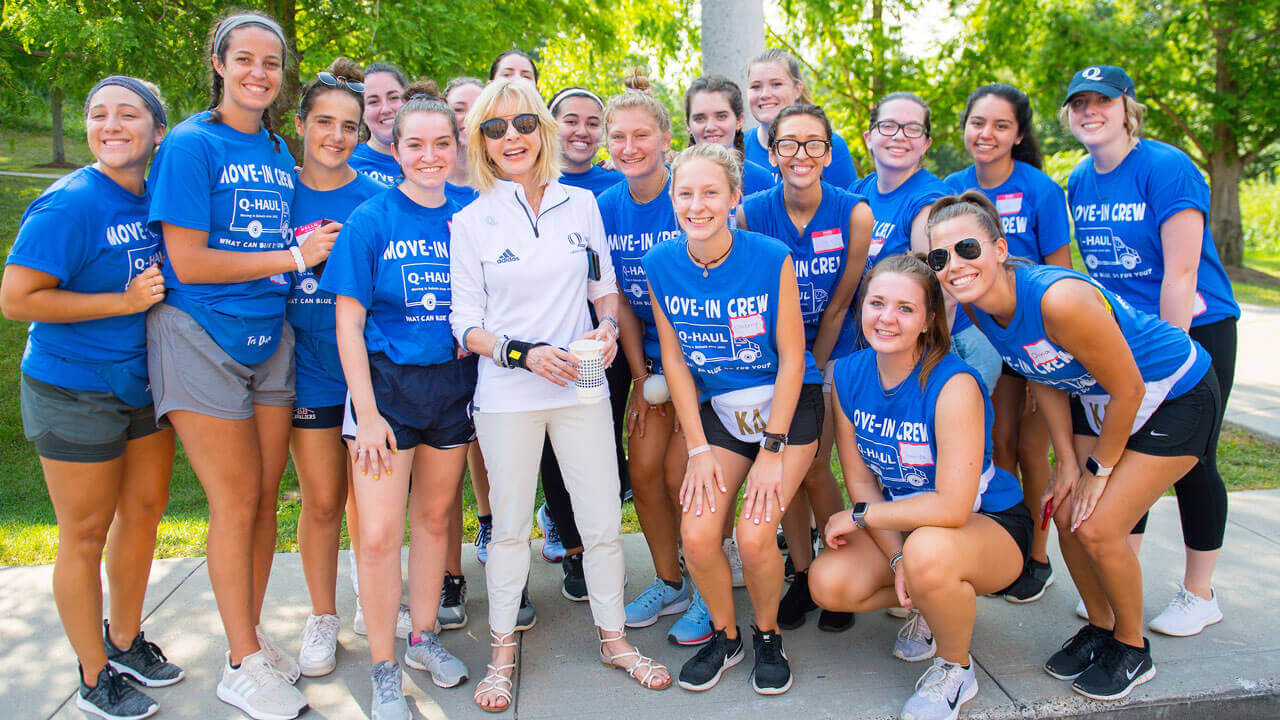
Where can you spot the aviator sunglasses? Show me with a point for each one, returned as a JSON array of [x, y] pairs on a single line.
[[495, 128], [968, 248]]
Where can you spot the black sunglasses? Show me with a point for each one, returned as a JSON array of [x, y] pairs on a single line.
[[968, 248], [328, 78], [495, 128]]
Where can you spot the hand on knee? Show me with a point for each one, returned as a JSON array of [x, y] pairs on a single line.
[[1098, 538]]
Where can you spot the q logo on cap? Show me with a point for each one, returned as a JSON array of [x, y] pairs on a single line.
[[1093, 73]]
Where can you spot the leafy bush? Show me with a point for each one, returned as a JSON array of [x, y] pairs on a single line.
[[1260, 211]]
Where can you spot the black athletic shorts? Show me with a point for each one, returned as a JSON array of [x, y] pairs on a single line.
[[1017, 521], [806, 424], [317, 418], [425, 405], [1185, 426]]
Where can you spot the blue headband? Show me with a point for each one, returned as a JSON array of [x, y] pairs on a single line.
[[135, 87], [235, 21]]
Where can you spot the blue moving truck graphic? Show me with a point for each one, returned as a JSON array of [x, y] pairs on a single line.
[[1100, 246], [813, 300], [713, 343]]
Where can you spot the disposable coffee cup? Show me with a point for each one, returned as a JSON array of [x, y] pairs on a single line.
[[656, 391], [589, 356]]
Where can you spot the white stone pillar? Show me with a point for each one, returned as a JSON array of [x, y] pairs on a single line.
[[732, 34]]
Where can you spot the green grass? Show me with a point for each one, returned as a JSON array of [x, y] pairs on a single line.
[[28, 533], [22, 151]]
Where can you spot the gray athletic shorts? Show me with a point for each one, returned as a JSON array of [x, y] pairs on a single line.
[[80, 425], [189, 371]]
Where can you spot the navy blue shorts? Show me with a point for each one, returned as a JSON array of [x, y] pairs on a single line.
[[317, 418], [425, 405]]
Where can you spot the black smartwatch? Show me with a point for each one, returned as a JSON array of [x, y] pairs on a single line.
[[774, 442], [860, 515]]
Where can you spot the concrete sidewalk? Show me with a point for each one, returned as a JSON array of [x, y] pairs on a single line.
[[1230, 670], [1255, 398]]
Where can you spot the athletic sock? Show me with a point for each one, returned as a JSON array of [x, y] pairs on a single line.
[[675, 584]]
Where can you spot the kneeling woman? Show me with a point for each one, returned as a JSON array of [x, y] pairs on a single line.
[[409, 391], [943, 524], [1144, 409], [727, 309]]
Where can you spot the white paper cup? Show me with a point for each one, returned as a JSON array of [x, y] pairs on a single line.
[[589, 355], [656, 391]]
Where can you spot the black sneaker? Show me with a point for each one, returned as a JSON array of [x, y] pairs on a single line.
[[796, 603], [1078, 653], [113, 698], [1118, 669], [1035, 579], [452, 614], [789, 570], [703, 670], [772, 673], [829, 621], [143, 661], [527, 617], [575, 583]]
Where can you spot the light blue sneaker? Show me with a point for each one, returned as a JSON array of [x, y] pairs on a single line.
[[655, 601], [694, 627], [484, 533], [552, 548], [915, 639]]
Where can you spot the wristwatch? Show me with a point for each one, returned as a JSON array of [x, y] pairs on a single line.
[[1095, 468], [774, 442], [860, 515]]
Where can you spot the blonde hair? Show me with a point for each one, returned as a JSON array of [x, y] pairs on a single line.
[[521, 93], [1134, 115], [638, 95], [726, 158], [788, 63]]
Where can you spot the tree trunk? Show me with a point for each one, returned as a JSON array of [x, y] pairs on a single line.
[[55, 108], [1224, 207], [284, 11]]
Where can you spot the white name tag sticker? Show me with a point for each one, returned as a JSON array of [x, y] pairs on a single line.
[[1041, 352], [825, 241], [917, 454], [746, 326], [1199, 306], [302, 234], [877, 244], [1009, 203]]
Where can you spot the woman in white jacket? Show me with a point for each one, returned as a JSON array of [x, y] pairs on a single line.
[[527, 256]]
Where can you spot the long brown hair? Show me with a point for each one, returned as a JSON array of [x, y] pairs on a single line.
[[935, 342]]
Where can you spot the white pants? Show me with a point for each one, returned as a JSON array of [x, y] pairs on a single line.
[[582, 436]]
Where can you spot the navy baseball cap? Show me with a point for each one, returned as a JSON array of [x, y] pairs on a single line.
[[1108, 80]]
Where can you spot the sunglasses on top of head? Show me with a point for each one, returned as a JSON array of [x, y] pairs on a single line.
[[327, 78], [968, 248], [496, 128]]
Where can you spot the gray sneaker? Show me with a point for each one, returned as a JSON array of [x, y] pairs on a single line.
[[941, 691], [426, 652], [388, 693], [527, 616], [452, 614], [915, 640], [113, 698]]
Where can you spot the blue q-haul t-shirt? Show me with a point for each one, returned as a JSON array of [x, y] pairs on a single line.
[[1032, 207], [819, 250], [897, 433], [840, 172], [756, 178], [596, 179], [238, 187], [1118, 217], [895, 210], [460, 195], [726, 322], [378, 165], [392, 256], [320, 382], [633, 228], [91, 234]]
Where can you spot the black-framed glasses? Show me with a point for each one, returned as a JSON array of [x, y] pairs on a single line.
[[812, 148], [889, 128], [968, 248], [327, 78], [495, 128]]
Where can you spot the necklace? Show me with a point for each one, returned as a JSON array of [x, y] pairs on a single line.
[[706, 266]]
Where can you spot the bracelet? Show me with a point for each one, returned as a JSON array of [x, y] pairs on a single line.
[[617, 329], [499, 354], [640, 379], [699, 450], [297, 258], [893, 562]]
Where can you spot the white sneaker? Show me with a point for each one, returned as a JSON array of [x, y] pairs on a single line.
[[1187, 614], [355, 577], [278, 658], [897, 611], [941, 691], [259, 690], [915, 640], [730, 547], [319, 646], [1081, 611], [403, 622]]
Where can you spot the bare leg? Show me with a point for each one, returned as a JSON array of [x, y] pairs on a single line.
[[382, 501], [657, 513], [273, 427], [437, 476], [323, 470]]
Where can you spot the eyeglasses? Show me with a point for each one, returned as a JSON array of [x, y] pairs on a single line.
[[495, 128], [812, 148], [889, 128], [328, 78], [968, 248], [425, 96]]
